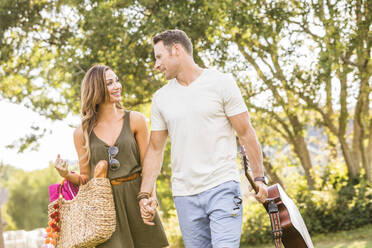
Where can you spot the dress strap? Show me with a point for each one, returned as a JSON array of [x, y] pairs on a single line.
[[127, 120]]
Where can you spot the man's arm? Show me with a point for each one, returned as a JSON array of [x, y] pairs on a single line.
[[248, 138], [151, 168], [153, 160]]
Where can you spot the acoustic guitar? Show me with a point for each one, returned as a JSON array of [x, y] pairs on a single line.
[[287, 224]]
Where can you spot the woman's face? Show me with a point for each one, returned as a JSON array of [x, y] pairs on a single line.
[[113, 86]]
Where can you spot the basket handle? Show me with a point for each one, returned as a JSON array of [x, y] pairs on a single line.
[[60, 188]]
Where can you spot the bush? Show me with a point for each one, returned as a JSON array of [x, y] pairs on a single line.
[[256, 224], [343, 209]]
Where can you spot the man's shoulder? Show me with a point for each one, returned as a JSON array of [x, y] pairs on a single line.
[[216, 74]]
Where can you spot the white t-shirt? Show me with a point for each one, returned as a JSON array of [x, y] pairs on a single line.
[[203, 144]]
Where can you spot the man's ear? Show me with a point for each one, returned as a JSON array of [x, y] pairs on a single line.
[[176, 49]]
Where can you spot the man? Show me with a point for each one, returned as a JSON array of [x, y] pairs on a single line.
[[199, 109]]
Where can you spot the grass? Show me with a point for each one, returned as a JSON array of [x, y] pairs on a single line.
[[356, 238]]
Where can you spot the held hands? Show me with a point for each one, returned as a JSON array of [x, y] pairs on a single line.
[[262, 191], [148, 210], [61, 166]]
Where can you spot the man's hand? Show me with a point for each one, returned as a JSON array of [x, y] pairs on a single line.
[[262, 191], [148, 210]]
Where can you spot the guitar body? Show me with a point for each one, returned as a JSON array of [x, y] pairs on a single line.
[[294, 231]]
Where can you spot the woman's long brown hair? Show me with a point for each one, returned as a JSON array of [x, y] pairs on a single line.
[[93, 92]]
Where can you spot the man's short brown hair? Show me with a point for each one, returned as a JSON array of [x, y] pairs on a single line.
[[170, 37]]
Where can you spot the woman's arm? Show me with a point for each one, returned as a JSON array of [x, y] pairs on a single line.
[[83, 163], [139, 128], [141, 133]]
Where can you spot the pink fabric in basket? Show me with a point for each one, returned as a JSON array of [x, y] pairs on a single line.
[[69, 191]]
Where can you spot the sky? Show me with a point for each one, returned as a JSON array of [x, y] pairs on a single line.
[[15, 123]]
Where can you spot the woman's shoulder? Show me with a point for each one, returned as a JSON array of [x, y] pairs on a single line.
[[137, 115], [137, 118], [78, 133]]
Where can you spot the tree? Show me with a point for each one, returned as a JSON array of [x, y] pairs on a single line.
[[1, 219], [344, 60]]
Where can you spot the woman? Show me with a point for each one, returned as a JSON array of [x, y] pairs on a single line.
[[108, 132]]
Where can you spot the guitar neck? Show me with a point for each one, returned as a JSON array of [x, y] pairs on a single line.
[[245, 164]]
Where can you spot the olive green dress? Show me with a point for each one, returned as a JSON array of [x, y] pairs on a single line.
[[130, 231]]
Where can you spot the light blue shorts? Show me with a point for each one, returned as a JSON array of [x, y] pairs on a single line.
[[212, 218]]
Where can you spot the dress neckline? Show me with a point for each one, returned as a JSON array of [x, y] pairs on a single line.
[[117, 139]]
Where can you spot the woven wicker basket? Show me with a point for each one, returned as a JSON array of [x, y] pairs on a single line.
[[89, 219]]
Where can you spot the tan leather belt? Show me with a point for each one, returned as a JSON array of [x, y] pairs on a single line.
[[118, 181]]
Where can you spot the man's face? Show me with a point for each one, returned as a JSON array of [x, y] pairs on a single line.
[[166, 61]]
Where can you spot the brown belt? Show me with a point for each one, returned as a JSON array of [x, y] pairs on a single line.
[[118, 181]]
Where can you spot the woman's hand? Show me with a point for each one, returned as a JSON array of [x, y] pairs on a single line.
[[148, 210], [61, 167]]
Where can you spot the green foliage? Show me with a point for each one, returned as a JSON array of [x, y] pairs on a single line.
[[343, 209], [172, 230], [28, 200], [256, 224], [356, 238], [28, 142], [5, 172]]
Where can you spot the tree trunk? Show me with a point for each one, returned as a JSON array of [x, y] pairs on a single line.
[[365, 157], [1, 231], [353, 168], [366, 164], [272, 174], [356, 152], [302, 152], [269, 168], [369, 153]]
